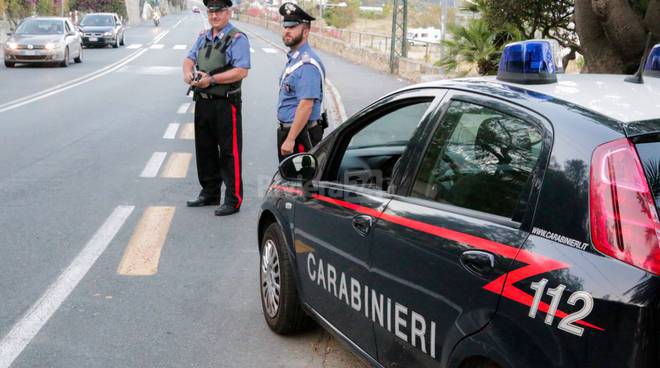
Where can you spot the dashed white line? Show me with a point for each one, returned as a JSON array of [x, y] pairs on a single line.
[[183, 108], [38, 315], [153, 165], [179, 47], [134, 46], [157, 46], [268, 50], [170, 133]]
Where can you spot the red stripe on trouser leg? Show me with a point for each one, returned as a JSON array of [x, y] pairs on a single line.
[[301, 148], [237, 162]]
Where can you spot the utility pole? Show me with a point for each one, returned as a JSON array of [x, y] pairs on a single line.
[[443, 26], [399, 45]]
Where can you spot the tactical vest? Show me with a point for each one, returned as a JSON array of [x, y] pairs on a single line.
[[212, 59]]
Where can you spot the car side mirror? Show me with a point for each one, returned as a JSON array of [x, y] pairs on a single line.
[[301, 167], [118, 23], [9, 34]]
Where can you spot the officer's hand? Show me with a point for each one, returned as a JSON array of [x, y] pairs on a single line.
[[187, 78], [287, 147], [203, 81]]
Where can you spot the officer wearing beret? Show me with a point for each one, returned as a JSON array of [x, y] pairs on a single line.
[[301, 86], [222, 57]]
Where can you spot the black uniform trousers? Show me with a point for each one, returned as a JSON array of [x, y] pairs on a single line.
[[308, 138], [218, 145]]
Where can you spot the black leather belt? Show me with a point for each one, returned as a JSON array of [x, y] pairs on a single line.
[[208, 96], [310, 124]]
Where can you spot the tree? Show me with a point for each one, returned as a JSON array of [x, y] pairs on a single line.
[[474, 44], [45, 7], [613, 33], [534, 19], [342, 17]]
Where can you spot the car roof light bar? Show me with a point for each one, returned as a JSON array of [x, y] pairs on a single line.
[[530, 62], [652, 67]]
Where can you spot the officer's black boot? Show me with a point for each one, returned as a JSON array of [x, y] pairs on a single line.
[[203, 200], [226, 210]]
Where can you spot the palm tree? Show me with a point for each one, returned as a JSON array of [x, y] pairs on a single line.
[[474, 45]]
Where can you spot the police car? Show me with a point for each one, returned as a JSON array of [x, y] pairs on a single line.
[[509, 221]]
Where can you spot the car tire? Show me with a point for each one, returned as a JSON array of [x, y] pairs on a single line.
[[279, 297], [116, 44], [9, 64], [123, 39], [65, 62], [78, 60]]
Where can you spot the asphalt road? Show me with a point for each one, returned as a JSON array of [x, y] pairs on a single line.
[[84, 212]]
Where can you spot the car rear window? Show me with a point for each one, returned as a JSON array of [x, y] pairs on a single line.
[[649, 154]]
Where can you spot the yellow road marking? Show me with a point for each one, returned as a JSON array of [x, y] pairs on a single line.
[[188, 131], [142, 254], [177, 165]]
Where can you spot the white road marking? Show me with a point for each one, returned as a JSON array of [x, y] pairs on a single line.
[[153, 165], [268, 50], [160, 36], [134, 46], [251, 50], [157, 46], [179, 47], [38, 315], [183, 108], [71, 84], [151, 70], [170, 133]]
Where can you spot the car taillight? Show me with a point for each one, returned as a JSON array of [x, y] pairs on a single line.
[[624, 220]]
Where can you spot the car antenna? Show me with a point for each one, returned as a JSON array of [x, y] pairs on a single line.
[[637, 77]]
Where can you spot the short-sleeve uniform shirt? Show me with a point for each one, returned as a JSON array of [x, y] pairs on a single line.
[[305, 83]]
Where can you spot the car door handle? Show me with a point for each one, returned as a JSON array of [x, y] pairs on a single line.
[[478, 262], [362, 224]]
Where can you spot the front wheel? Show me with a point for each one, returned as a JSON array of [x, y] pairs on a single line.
[[78, 60], [279, 296], [65, 62], [9, 64], [123, 39], [116, 44]]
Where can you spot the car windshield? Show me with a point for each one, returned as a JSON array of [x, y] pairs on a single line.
[[98, 20], [41, 27]]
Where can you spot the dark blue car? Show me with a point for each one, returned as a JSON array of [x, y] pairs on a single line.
[[490, 222]]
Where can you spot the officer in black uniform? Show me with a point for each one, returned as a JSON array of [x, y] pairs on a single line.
[[215, 66], [299, 107]]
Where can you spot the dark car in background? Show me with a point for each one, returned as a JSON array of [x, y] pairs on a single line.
[[507, 222], [42, 40], [102, 29]]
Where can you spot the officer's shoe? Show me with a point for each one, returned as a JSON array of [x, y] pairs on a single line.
[[226, 210], [203, 201]]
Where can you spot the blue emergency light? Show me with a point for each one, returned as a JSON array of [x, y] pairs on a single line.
[[529, 62], [652, 67]]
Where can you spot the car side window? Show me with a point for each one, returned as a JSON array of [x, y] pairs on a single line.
[[372, 152], [480, 159]]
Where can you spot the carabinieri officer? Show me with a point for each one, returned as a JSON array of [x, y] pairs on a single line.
[[301, 86], [222, 56]]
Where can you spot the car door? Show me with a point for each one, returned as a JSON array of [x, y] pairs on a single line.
[[332, 232], [444, 243]]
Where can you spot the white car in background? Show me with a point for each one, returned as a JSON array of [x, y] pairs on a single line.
[[43, 40]]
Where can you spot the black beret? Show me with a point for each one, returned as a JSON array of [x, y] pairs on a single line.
[[294, 15], [215, 5]]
